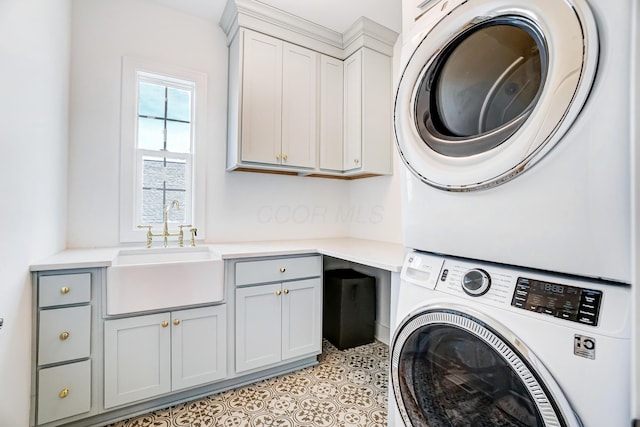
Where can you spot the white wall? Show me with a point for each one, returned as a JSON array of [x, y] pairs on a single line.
[[34, 53], [240, 206]]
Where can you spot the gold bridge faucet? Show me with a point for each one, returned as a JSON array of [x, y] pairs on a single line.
[[165, 228]]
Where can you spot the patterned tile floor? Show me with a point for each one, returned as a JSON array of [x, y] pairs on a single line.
[[347, 388]]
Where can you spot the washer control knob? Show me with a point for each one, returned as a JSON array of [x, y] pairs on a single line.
[[476, 282]]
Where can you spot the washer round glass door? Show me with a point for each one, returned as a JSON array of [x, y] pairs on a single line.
[[491, 88], [449, 368]]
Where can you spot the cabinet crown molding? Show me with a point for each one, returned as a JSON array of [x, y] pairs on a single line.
[[263, 18]]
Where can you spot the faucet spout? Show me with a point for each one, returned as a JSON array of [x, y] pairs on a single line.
[[173, 205], [165, 232]]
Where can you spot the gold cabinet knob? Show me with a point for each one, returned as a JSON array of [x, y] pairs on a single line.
[[64, 290], [176, 322], [282, 269], [277, 156], [356, 161], [64, 336], [165, 324], [278, 292], [284, 157], [63, 393], [286, 291]]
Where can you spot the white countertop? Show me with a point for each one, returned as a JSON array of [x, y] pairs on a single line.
[[383, 255]]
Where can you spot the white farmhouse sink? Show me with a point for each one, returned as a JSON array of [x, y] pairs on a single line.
[[163, 278]]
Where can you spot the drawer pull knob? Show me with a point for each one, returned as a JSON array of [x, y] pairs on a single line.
[[286, 291], [63, 393], [278, 292], [356, 161], [176, 322], [282, 269], [64, 290], [64, 336], [165, 324]]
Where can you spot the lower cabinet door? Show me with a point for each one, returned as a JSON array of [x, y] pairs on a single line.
[[258, 326], [199, 348], [64, 391], [137, 352], [301, 318]]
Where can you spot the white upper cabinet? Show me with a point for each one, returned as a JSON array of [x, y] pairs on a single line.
[[279, 102], [261, 99], [299, 106], [367, 100], [331, 113], [291, 109], [352, 112]]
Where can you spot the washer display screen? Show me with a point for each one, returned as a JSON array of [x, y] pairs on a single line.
[[566, 302]]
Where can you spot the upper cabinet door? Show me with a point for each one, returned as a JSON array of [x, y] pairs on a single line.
[[261, 99], [299, 106], [331, 113], [353, 111]]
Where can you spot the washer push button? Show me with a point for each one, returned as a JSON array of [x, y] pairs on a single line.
[[521, 293], [589, 307]]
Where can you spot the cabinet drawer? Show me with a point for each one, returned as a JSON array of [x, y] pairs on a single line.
[[64, 391], [277, 270], [64, 289], [64, 334]]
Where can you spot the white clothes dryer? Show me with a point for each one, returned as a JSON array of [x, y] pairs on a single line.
[[479, 344], [512, 118]]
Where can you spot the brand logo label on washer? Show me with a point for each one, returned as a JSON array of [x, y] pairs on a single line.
[[584, 346]]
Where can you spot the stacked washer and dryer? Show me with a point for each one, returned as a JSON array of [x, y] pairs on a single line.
[[512, 120]]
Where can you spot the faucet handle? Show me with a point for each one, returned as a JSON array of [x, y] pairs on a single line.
[[194, 233], [149, 234], [181, 234]]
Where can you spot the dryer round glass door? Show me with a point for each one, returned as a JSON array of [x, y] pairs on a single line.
[[450, 368], [491, 88]]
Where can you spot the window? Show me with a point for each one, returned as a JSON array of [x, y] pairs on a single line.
[[162, 140], [163, 149]]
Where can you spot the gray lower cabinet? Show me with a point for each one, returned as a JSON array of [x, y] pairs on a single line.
[[63, 320], [147, 356], [282, 321], [90, 368]]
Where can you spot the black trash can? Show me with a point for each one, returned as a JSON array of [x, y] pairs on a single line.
[[349, 308]]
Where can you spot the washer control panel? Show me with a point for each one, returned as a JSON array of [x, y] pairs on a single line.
[[490, 285], [566, 302]]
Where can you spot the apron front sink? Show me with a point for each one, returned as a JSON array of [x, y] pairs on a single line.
[[162, 278]]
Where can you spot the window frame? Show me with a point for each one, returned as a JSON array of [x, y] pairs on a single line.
[[135, 70]]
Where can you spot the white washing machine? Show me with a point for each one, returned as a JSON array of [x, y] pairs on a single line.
[[512, 118], [479, 344]]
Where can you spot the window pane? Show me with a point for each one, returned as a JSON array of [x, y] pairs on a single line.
[[177, 215], [175, 175], [151, 100], [179, 137], [153, 173], [152, 206], [150, 134], [163, 181], [179, 104]]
